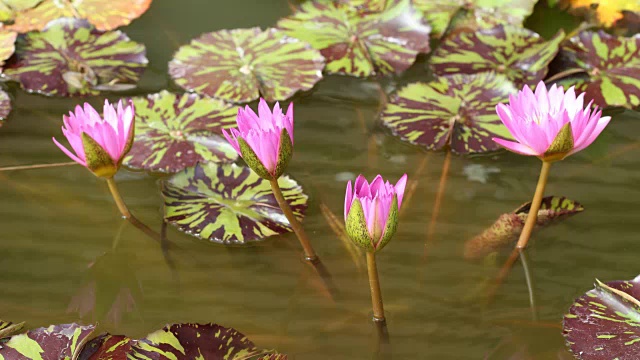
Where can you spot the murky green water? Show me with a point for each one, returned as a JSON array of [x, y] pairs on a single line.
[[56, 222]]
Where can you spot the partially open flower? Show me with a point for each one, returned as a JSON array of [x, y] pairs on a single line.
[[550, 124], [265, 141], [371, 211], [99, 143]]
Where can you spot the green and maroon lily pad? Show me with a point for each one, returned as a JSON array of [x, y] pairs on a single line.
[[54, 342], [474, 13], [604, 323], [243, 64], [193, 341], [107, 347], [506, 230], [365, 38], [70, 57], [228, 204], [610, 64], [174, 132], [457, 112], [8, 328], [520, 54], [29, 15]]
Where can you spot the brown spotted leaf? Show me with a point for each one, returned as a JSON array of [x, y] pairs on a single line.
[[55, 342], [243, 64], [456, 112], [106, 347], [361, 38], [174, 132], [228, 204]]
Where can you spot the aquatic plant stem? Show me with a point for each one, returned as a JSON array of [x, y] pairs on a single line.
[[529, 280], [309, 253], [374, 285], [564, 74], [532, 216], [37, 166], [438, 201], [118, 199]]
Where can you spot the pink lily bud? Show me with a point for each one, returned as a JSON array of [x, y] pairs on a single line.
[[550, 124], [371, 211], [265, 141], [99, 143]]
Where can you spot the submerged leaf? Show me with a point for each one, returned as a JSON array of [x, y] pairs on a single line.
[[363, 38], [5, 105], [70, 57], [456, 112], [51, 343], [607, 12], [174, 132], [228, 204], [243, 64], [9, 328]]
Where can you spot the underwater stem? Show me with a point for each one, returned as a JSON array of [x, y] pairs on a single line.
[[118, 199], [530, 223], [374, 285]]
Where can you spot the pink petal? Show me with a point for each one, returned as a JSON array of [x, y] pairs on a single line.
[[69, 153], [362, 186], [400, 186], [232, 141], [288, 121], [376, 184], [601, 124], [516, 147], [348, 200]]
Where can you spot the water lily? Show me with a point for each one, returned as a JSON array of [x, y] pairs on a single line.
[[264, 140]]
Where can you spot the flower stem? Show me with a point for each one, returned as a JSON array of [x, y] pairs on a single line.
[[535, 206], [118, 199], [564, 74], [309, 253], [374, 285]]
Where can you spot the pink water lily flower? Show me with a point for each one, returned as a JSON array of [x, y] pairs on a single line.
[[376, 201], [99, 143], [550, 124], [259, 138]]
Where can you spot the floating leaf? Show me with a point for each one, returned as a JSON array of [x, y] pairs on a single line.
[[71, 57], [52, 343], [29, 15], [174, 132], [361, 39], [9, 328], [228, 204], [520, 54], [506, 230], [456, 111], [604, 323], [611, 67], [193, 341], [106, 347], [477, 13], [7, 45], [5, 105], [242, 64]]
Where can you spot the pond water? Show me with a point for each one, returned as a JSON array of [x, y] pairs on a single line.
[[56, 222]]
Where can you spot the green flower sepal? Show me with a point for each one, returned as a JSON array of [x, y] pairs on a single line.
[[358, 232], [284, 156]]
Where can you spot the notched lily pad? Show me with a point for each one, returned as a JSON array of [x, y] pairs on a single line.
[[363, 38], [8, 328], [54, 342], [506, 230], [604, 323], [243, 64], [106, 347], [456, 112], [228, 204], [174, 132], [610, 64], [70, 57], [520, 54]]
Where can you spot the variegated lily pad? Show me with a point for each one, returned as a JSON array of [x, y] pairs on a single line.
[[7, 45], [475, 13], [70, 57], [54, 342], [604, 323], [174, 132], [107, 347], [5, 105], [243, 64], [29, 15], [228, 204], [611, 67], [506, 230], [9, 328], [363, 38], [520, 54], [456, 112]]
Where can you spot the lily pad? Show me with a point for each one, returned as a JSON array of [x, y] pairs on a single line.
[[243, 64], [7, 45], [51, 343], [106, 347], [193, 341], [70, 57], [174, 132], [610, 64], [5, 105], [9, 328], [456, 112], [29, 15], [520, 54], [361, 39], [228, 204], [475, 13], [604, 323], [506, 230]]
